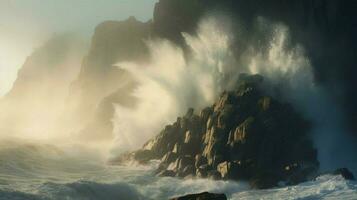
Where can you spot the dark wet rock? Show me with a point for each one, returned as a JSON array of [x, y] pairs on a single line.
[[264, 180], [345, 173], [189, 170], [168, 173], [202, 196], [169, 158], [201, 173], [246, 135], [177, 148], [143, 155], [184, 161], [200, 160], [214, 174], [297, 174], [228, 170]]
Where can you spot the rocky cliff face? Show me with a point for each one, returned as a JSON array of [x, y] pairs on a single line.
[[245, 135]]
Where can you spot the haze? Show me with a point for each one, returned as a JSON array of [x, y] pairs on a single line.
[[24, 25]]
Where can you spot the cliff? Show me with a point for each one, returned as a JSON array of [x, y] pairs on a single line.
[[100, 84]]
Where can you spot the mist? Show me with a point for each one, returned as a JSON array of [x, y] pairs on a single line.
[[33, 107], [96, 99], [287, 67], [173, 81], [155, 92], [27, 25]]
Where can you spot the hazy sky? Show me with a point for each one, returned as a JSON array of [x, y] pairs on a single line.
[[26, 24]]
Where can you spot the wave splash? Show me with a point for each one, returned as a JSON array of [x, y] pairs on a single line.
[[170, 84], [174, 81]]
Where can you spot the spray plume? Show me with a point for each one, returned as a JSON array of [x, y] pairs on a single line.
[[290, 70], [173, 82]]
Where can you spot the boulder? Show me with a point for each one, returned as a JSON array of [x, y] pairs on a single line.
[[202, 196], [345, 173], [143, 156]]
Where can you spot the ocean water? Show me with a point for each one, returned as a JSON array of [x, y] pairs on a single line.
[[32, 171]]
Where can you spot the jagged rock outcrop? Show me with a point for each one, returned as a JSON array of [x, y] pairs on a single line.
[[172, 17], [245, 135], [202, 196]]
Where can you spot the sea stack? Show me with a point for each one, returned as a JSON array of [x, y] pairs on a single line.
[[246, 135]]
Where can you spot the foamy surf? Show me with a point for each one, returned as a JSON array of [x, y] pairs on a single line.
[[46, 172]]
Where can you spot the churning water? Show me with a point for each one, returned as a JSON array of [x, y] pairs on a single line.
[[38, 171]]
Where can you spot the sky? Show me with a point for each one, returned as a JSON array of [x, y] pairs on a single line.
[[26, 24]]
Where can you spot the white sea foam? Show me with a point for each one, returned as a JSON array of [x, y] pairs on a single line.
[[77, 177]]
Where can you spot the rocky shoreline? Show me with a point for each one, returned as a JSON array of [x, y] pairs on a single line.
[[246, 135]]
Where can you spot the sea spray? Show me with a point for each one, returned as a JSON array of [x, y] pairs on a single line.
[[172, 82], [286, 66]]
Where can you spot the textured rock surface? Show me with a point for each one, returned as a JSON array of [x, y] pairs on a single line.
[[245, 135], [202, 196]]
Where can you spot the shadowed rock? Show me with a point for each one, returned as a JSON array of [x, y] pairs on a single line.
[[202, 196], [345, 173]]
